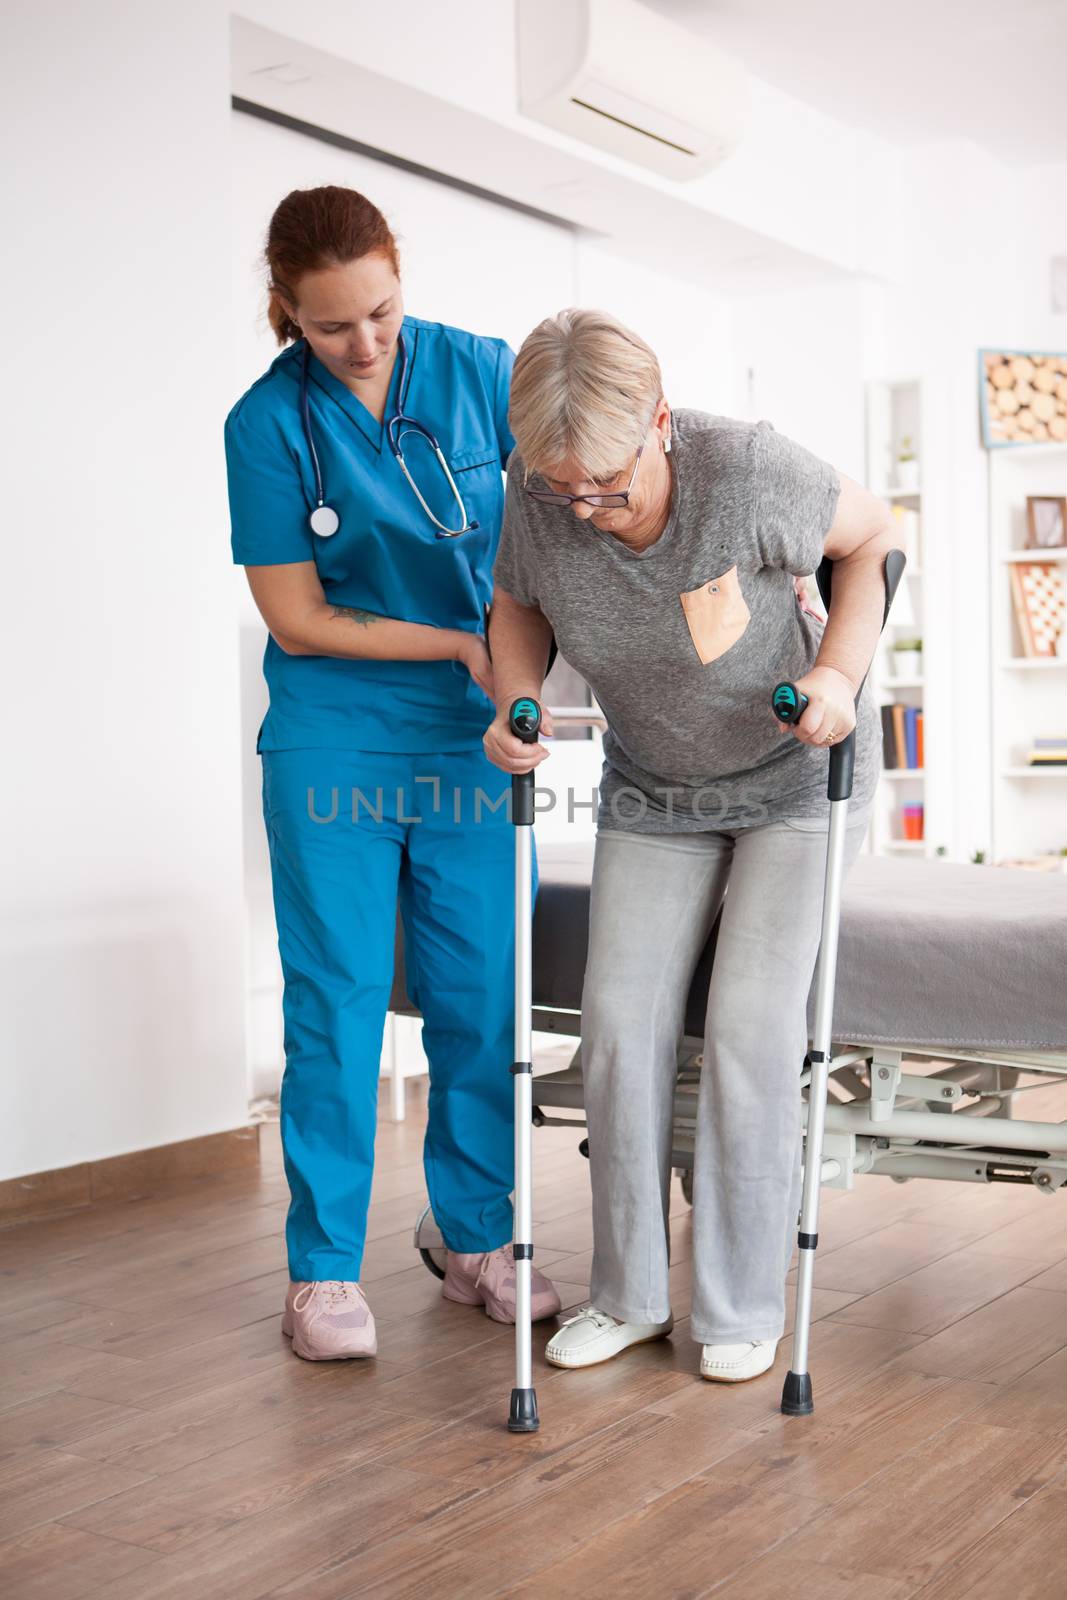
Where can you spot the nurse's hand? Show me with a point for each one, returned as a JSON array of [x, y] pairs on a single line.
[[509, 753], [475, 657]]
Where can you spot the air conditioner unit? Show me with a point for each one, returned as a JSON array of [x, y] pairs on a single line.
[[623, 78]]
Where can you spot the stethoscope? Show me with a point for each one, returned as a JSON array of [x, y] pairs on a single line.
[[324, 520]]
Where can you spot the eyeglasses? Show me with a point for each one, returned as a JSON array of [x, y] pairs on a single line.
[[619, 497]]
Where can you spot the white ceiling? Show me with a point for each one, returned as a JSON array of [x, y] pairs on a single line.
[[320, 94], [993, 71]]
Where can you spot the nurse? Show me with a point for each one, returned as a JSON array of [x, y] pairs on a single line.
[[369, 556]]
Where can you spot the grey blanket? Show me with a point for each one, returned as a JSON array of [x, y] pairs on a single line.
[[931, 953], [936, 953]]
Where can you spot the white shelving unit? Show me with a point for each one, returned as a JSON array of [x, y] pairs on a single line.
[[895, 411], [1027, 695]]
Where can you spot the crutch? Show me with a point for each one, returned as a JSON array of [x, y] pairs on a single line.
[[524, 721], [788, 704]]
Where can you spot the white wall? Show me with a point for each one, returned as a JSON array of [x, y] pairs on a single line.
[[123, 972], [799, 361], [1043, 234]]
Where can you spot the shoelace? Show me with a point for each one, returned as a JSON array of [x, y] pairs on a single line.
[[336, 1291], [502, 1250]]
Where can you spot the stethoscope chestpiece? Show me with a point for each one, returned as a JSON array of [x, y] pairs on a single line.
[[324, 521]]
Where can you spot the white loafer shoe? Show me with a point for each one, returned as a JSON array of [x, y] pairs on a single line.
[[733, 1363], [591, 1336]]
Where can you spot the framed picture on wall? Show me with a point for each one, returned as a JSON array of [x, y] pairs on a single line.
[[1040, 602], [1046, 521], [1022, 397]]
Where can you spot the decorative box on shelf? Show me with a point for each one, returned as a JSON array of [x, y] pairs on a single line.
[[911, 819]]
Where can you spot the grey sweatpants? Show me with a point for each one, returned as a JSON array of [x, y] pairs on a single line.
[[654, 899]]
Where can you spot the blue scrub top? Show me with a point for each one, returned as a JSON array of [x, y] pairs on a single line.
[[386, 556]]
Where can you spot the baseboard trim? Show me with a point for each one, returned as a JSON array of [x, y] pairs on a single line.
[[128, 1177]]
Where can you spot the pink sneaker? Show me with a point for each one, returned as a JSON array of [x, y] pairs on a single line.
[[488, 1279], [329, 1321]]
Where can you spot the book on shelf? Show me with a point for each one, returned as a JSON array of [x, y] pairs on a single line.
[[1050, 752], [902, 738]]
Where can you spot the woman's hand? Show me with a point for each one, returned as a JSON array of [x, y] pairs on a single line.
[[474, 655], [831, 708], [509, 753]]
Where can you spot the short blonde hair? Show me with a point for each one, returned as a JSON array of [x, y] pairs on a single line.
[[585, 386]]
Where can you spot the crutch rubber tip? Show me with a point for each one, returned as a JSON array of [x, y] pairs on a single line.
[[796, 1395], [523, 1418]]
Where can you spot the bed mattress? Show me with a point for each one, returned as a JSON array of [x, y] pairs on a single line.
[[931, 953]]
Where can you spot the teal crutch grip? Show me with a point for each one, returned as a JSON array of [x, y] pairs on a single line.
[[524, 721], [787, 702]]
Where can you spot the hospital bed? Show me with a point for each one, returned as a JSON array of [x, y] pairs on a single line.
[[951, 989]]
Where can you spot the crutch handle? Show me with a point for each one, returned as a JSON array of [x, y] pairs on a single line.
[[524, 721], [787, 702]]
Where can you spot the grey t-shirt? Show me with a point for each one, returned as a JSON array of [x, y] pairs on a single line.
[[683, 643]]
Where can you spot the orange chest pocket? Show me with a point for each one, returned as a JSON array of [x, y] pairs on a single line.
[[716, 615]]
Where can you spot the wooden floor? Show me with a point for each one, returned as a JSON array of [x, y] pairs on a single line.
[[159, 1440]]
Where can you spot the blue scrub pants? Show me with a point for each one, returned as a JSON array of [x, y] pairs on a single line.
[[351, 833]]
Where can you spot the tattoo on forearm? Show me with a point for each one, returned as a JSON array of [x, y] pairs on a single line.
[[362, 617]]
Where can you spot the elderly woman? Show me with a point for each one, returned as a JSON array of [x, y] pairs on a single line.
[[661, 547]]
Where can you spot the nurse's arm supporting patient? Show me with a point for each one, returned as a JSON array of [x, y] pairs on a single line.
[[303, 622]]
